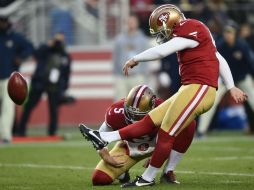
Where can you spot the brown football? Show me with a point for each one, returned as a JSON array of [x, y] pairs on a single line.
[[17, 88]]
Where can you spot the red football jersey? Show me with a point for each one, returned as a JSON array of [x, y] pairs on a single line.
[[114, 116], [115, 119], [198, 65]]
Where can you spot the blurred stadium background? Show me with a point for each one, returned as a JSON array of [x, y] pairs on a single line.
[[224, 160], [90, 27]]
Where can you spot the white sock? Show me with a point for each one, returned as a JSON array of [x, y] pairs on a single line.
[[110, 136], [150, 173], [173, 160]]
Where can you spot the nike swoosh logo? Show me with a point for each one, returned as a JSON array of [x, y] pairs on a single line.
[[91, 133], [182, 23], [141, 184]]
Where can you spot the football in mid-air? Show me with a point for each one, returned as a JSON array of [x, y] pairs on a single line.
[[17, 88]]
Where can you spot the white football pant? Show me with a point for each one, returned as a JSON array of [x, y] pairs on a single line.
[[7, 112]]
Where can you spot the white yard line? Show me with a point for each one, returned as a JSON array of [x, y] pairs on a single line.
[[42, 166], [217, 173], [233, 158], [27, 165], [77, 144], [223, 149], [47, 144], [85, 143], [223, 158], [214, 139]]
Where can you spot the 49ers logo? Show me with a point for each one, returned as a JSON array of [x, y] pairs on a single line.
[[143, 147], [162, 18]]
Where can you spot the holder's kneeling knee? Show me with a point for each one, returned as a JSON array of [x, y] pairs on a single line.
[[101, 178]]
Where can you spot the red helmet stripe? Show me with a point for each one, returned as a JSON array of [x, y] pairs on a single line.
[[135, 95], [139, 95]]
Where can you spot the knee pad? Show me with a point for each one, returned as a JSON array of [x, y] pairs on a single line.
[[101, 178]]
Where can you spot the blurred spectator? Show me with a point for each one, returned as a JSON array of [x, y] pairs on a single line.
[[215, 28], [128, 44], [213, 13], [92, 7], [247, 34], [61, 20], [14, 48], [218, 9], [51, 76], [143, 9], [161, 2], [238, 10], [240, 59], [198, 9], [6, 3]]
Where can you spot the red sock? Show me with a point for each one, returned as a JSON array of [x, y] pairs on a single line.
[[184, 139], [101, 178], [138, 129], [162, 149]]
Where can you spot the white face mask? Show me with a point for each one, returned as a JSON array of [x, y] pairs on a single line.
[[133, 116], [161, 38]]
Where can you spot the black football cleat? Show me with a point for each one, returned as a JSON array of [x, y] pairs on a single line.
[[138, 182], [169, 178], [126, 178], [93, 136]]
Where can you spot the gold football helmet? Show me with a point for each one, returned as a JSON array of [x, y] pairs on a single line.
[[162, 21], [140, 100]]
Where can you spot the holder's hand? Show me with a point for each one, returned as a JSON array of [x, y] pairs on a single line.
[[112, 160]]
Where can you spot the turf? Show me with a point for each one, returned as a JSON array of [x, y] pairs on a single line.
[[220, 161]]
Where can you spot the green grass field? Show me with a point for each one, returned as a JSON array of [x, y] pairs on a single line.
[[220, 161]]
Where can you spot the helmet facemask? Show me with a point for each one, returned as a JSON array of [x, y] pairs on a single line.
[[133, 116], [162, 36]]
